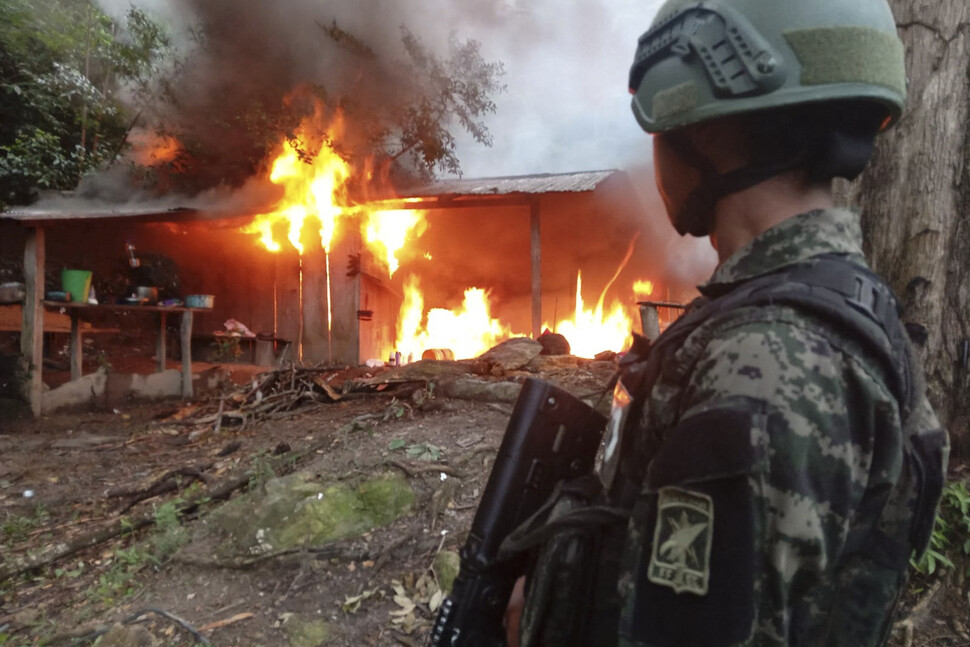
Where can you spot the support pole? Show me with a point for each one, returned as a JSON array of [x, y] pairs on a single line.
[[187, 354], [536, 252], [32, 330], [76, 347], [160, 350]]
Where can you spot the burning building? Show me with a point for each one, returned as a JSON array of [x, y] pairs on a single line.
[[337, 268]]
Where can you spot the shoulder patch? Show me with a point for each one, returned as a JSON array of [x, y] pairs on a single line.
[[681, 554]]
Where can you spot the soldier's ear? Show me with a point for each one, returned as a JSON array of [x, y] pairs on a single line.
[[724, 142]]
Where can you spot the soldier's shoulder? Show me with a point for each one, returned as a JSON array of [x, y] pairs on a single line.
[[767, 352]]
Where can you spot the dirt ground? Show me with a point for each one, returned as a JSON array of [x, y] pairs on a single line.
[[68, 475]]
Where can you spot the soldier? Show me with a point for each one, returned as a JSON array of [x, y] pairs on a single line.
[[780, 457]]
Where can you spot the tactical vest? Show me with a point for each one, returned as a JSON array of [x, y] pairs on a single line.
[[572, 596]]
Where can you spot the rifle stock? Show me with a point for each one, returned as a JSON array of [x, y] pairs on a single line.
[[550, 436]]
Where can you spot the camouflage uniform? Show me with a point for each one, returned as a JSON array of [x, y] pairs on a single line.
[[776, 509]]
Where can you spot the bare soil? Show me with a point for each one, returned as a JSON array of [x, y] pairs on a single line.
[[65, 476]]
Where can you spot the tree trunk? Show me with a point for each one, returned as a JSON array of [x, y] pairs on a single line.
[[914, 197]]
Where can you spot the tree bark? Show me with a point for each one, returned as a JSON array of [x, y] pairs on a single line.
[[914, 196]]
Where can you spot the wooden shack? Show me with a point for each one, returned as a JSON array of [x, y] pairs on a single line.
[[523, 237]]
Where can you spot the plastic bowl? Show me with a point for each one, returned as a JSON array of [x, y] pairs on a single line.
[[199, 301]]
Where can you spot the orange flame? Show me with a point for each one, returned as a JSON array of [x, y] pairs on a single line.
[[468, 330], [590, 332], [642, 289], [387, 231], [310, 189], [152, 149]]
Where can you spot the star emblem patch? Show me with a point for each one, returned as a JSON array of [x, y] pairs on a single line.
[[681, 554]]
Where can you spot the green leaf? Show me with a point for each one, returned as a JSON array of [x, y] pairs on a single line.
[[396, 444]]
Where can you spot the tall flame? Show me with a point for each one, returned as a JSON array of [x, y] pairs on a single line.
[[591, 331], [310, 191]]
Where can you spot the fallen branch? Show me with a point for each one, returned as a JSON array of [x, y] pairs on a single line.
[[200, 639], [170, 482], [165, 483], [413, 469], [50, 554], [463, 460], [227, 621], [405, 640]]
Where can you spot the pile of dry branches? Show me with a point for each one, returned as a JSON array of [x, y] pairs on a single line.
[[271, 395]]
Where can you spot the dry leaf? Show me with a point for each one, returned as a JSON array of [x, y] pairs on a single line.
[[352, 603]]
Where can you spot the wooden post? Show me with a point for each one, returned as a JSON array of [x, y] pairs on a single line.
[[650, 322], [345, 293], [32, 330], [76, 347], [288, 321], [536, 251], [160, 349], [186, 354], [316, 345]]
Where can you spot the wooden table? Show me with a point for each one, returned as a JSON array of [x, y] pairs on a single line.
[[77, 310]]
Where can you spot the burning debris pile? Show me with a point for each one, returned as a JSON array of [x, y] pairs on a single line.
[[493, 377]]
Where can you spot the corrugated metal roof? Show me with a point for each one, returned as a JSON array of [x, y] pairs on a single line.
[[78, 210], [541, 183]]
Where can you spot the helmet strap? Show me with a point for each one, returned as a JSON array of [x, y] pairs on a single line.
[[696, 216]]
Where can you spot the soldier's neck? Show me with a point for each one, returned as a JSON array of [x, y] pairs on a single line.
[[742, 216]]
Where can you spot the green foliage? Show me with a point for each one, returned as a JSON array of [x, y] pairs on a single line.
[[950, 540], [17, 528], [64, 67], [118, 581], [262, 470], [458, 88], [417, 451], [169, 534], [423, 452], [69, 572]]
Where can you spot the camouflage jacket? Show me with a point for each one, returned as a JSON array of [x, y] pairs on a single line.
[[779, 446]]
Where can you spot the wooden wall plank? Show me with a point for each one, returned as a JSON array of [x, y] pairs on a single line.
[[32, 330], [288, 320], [316, 344], [345, 292], [535, 248]]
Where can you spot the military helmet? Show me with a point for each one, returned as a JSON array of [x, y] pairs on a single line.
[[715, 58]]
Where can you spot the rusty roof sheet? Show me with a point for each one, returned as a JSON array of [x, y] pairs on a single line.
[[78, 211], [541, 183], [75, 209]]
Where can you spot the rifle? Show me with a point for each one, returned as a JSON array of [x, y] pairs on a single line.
[[551, 436]]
